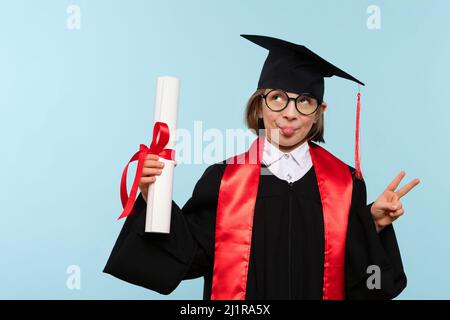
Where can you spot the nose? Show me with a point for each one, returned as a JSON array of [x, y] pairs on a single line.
[[290, 112]]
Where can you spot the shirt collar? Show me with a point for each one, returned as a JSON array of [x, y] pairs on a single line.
[[272, 154]]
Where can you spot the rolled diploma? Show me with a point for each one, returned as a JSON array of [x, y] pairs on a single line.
[[159, 198]]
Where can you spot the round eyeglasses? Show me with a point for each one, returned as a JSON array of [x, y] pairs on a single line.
[[277, 100]]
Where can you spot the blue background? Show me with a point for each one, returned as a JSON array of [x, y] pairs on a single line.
[[75, 105]]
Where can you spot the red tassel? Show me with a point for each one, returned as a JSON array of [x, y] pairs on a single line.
[[358, 173]]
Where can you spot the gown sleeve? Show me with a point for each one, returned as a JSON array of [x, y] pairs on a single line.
[[366, 247], [159, 262]]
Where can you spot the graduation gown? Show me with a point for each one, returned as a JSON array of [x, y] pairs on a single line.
[[287, 251]]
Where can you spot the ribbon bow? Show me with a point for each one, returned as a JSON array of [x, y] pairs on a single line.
[[160, 129]]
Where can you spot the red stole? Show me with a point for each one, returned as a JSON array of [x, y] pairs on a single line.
[[234, 220]]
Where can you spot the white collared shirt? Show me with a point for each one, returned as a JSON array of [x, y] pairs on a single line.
[[290, 166]]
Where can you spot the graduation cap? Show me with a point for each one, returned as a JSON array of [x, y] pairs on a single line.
[[295, 68]]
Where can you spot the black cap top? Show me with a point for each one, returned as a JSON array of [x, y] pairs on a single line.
[[294, 67]]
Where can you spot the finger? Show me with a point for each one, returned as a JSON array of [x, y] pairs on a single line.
[[146, 172], [153, 164], [384, 206], [394, 198], [407, 187], [147, 180], [152, 157], [394, 184], [396, 214], [397, 205]]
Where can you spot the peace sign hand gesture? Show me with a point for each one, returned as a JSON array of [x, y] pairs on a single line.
[[387, 207]]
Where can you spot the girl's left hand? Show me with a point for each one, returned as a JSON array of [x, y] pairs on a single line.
[[387, 208]]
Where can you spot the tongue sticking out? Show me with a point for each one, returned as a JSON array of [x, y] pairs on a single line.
[[287, 131]]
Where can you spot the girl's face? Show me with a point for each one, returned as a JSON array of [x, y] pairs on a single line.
[[287, 128]]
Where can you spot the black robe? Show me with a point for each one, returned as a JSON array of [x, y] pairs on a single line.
[[287, 252]]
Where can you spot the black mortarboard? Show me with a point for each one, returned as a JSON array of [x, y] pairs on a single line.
[[294, 67]]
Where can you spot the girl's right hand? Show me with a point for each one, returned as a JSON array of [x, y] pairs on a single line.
[[152, 168]]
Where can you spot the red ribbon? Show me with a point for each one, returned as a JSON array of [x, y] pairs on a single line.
[[234, 223], [160, 129], [335, 187]]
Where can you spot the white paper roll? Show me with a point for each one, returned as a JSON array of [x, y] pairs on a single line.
[[159, 198]]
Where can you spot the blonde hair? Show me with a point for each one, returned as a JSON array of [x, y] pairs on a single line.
[[255, 123]]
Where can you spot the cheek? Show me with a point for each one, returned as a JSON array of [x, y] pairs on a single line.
[[269, 119], [307, 122]]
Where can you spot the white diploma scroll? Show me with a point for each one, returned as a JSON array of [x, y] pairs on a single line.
[[159, 198]]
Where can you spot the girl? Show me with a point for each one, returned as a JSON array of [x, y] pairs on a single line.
[[292, 225]]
